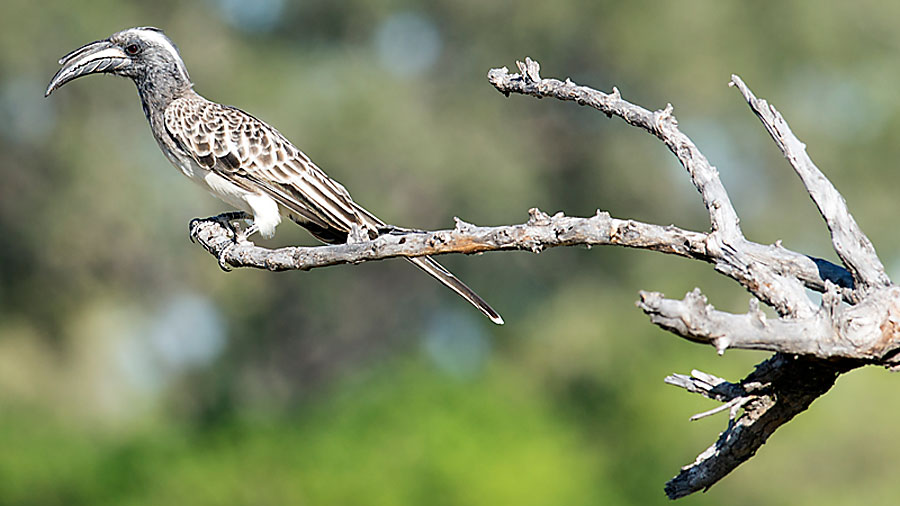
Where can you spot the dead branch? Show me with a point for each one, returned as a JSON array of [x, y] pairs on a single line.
[[850, 243], [814, 342], [776, 391], [857, 321], [540, 232]]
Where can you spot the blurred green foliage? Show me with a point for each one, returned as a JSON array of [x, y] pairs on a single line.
[[133, 371]]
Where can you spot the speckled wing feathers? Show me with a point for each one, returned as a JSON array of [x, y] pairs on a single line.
[[255, 156]]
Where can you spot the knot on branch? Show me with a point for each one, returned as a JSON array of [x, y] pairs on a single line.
[[831, 300], [758, 315], [463, 226], [536, 217], [665, 118]]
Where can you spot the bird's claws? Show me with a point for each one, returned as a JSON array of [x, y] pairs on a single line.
[[194, 228], [223, 264], [225, 219], [240, 239]]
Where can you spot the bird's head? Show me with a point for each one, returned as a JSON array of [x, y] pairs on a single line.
[[143, 54]]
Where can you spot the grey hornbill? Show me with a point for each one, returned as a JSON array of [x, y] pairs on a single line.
[[235, 156]]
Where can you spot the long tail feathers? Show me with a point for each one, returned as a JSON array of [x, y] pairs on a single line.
[[438, 271]]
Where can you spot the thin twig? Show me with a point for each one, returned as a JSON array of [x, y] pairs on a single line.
[[731, 405]]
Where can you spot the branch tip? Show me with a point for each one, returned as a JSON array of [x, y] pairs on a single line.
[[849, 242]]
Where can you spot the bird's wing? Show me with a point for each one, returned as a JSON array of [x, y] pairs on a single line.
[[255, 156]]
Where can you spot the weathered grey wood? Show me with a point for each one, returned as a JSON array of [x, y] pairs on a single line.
[[660, 123], [540, 232], [857, 321], [774, 393], [850, 243], [830, 337], [834, 331]]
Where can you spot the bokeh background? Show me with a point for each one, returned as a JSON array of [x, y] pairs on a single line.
[[134, 372]]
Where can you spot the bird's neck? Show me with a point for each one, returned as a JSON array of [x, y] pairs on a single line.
[[156, 94]]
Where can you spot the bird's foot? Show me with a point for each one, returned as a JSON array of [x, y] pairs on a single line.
[[240, 239], [223, 264], [225, 219], [244, 237]]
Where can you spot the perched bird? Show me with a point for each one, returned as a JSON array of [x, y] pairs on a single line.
[[238, 158]]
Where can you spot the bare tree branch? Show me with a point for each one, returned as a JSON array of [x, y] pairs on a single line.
[[660, 123], [726, 242], [776, 391], [857, 321], [830, 338], [850, 243], [540, 232], [834, 331]]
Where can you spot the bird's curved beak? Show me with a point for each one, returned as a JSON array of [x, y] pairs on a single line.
[[93, 58]]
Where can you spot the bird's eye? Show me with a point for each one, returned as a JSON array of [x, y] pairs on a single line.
[[132, 49]]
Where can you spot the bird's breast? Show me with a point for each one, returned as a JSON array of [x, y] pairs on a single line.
[[210, 181]]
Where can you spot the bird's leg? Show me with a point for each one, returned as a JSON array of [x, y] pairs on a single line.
[[230, 216]]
